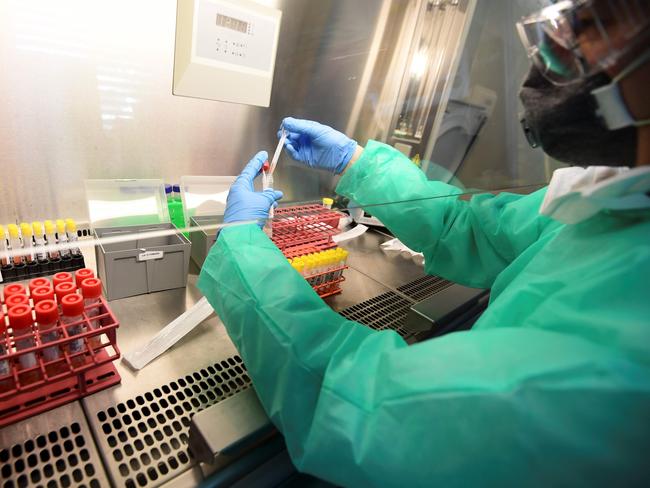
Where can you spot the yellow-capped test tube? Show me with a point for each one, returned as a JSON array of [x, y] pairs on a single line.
[[3, 244], [39, 239], [15, 243], [71, 230], [62, 237], [28, 243], [50, 235]]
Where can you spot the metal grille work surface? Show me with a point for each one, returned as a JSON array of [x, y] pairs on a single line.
[[385, 311], [424, 287], [59, 458], [144, 439]]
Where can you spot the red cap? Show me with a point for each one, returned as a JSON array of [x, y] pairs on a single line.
[[42, 293], [91, 288], [38, 283], [62, 277], [3, 326], [63, 289], [14, 300], [266, 166], [46, 312], [72, 305], [20, 317], [14, 289], [81, 274]]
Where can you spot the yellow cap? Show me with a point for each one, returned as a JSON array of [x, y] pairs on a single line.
[[2, 231], [71, 225], [49, 227], [60, 226], [37, 227], [13, 231], [328, 201], [26, 229]]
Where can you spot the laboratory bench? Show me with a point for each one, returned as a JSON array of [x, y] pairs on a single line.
[[136, 433]]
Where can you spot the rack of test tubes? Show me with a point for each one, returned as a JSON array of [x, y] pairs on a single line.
[[323, 270], [301, 229], [33, 250], [304, 235], [57, 343]]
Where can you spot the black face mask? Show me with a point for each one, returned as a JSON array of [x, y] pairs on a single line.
[[563, 121]]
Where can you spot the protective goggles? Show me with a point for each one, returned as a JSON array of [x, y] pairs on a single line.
[[557, 37]]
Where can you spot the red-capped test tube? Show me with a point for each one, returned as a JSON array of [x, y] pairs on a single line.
[[72, 306], [47, 315], [5, 371], [38, 283], [42, 293], [91, 290], [15, 300], [20, 320], [14, 289], [63, 289], [62, 277], [83, 274]]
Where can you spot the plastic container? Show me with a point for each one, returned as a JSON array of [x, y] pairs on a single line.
[[72, 309], [91, 291], [63, 277], [47, 316], [21, 321], [82, 274], [38, 283], [141, 264]]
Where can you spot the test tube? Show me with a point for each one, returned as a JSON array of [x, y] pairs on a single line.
[[62, 277], [15, 243], [5, 370], [72, 307], [91, 290], [62, 238], [47, 316], [50, 235], [15, 300], [14, 289], [71, 229], [20, 320], [28, 242], [62, 290], [39, 238], [3, 245], [38, 283], [81, 274]]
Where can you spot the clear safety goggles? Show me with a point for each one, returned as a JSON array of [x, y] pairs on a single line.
[[570, 39]]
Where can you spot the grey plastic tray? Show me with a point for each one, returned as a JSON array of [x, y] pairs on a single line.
[[126, 271], [201, 239]]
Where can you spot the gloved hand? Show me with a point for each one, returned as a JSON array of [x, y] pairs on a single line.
[[317, 145], [243, 202]]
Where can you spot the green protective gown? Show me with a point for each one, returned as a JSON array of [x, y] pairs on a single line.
[[551, 387]]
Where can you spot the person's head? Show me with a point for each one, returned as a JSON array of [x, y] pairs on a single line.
[[586, 96]]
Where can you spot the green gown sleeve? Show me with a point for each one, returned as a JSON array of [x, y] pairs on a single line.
[[486, 407], [468, 242]]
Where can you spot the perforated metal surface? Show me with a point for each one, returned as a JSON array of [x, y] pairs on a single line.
[[54, 449], [144, 439], [424, 287], [386, 311]]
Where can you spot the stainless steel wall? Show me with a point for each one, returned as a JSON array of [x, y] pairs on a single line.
[[86, 93]]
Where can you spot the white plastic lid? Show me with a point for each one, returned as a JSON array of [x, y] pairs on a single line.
[[204, 195], [116, 203]]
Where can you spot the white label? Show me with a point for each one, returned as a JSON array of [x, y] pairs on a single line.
[[149, 255]]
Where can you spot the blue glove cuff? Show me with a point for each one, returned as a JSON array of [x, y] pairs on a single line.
[[347, 151]]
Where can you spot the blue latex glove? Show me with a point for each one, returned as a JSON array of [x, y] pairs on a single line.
[[318, 145], [243, 202]]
